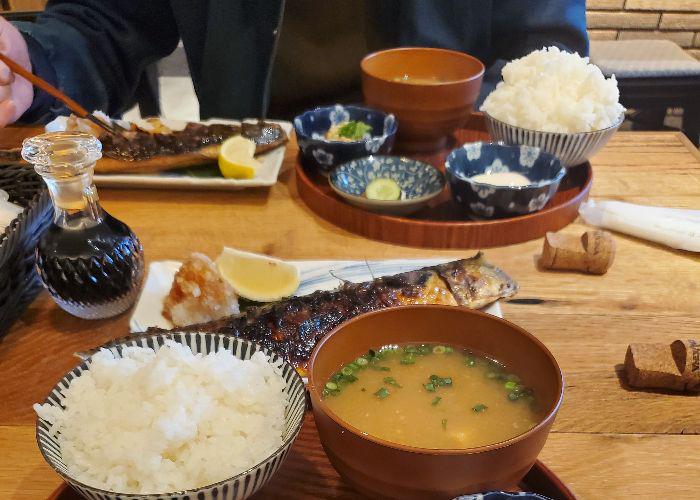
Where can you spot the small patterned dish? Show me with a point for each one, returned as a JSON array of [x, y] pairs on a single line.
[[488, 201], [238, 487], [571, 149], [323, 154], [418, 181]]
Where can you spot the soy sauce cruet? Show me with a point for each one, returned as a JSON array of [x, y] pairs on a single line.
[[91, 263]]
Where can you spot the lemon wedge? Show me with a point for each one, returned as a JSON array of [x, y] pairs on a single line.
[[236, 159], [257, 277]]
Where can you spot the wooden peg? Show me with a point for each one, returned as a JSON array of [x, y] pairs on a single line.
[[662, 366], [591, 253]]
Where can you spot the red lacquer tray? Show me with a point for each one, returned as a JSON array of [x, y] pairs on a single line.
[[308, 475], [442, 223]]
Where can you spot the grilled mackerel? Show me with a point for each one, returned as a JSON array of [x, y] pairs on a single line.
[[292, 327]]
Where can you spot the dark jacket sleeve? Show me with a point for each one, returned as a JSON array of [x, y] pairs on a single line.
[[96, 51], [521, 26]]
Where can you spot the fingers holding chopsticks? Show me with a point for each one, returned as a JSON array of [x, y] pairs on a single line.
[[16, 93]]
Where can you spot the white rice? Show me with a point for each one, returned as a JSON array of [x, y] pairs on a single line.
[[157, 422], [551, 90]]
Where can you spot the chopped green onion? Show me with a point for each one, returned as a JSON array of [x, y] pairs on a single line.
[[512, 396], [448, 350], [410, 349], [510, 385], [429, 387], [513, 378], [444, 424], [479, 408], [408, 359], [354, 366], [349, 378], [436, 400], [423, 350], [391, 381], [331, 386], [470, 361], [336, 377], [346, 370], [439, 349], [382, 393], [361, 362], [447, 381], [325, 393]]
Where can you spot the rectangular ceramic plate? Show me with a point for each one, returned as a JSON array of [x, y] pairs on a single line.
[[205, 176], [315, 275]]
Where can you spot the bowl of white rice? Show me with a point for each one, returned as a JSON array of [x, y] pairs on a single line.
[[176, 415], [556, 101]]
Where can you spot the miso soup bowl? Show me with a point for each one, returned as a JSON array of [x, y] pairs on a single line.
[[427, 113], [383, 469]]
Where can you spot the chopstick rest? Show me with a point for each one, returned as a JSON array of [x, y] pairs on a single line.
[[592, 253], [662, 366]]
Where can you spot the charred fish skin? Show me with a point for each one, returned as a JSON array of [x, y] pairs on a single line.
[[292, 327]]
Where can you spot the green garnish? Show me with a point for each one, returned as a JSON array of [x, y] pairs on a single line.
[[444, 424], [448, 350], [429, 387], [346, 370], [410, 349], [391, 381], [331, 386], [510, 385], [513, 396], [436, 400], [439, 349], [479, 408], [408, 359], [470, 361], [354, 130], [361, 362], [440, 381], [424, 349], [382, 393]]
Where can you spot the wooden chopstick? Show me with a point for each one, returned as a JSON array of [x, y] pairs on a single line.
[[50, 89]]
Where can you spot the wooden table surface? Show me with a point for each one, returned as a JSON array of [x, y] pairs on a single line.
[[607, 442]]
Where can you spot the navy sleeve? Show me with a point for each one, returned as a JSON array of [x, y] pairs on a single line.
[[95, 51], [521, 26]]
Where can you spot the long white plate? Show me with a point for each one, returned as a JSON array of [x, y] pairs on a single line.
[[205, 176], [315, 275]]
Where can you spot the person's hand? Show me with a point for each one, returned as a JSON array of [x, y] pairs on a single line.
[[16, 93]]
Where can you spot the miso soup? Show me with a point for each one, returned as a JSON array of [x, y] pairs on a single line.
[[432, 396]]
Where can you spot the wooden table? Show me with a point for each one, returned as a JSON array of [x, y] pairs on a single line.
[[607, 442]]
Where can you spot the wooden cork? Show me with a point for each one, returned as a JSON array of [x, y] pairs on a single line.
[[591, 253], [661, 366]]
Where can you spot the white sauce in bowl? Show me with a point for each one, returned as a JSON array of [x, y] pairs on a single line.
[[502, 179]]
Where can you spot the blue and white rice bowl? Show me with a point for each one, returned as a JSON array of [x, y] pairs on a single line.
[[571, 148], [419, 183], [237, 487], [488, 201], [323, 154]]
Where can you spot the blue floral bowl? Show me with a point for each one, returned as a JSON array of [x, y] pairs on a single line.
[[489, 201], [419, 183], [323, 154]]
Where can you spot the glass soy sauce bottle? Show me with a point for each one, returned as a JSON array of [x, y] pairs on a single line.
[[91, 263]]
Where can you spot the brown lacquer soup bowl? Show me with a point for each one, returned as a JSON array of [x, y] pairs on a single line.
[[430, 91], [384, 469]]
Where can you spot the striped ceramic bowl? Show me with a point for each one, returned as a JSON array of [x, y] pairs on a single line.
[[237, 487], [571, 149]]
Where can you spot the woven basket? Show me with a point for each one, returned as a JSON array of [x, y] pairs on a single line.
[[19, 281]]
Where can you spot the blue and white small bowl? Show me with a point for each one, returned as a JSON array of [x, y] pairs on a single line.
[[323, 154], [419, 183], [237, 487], [487, 201]]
